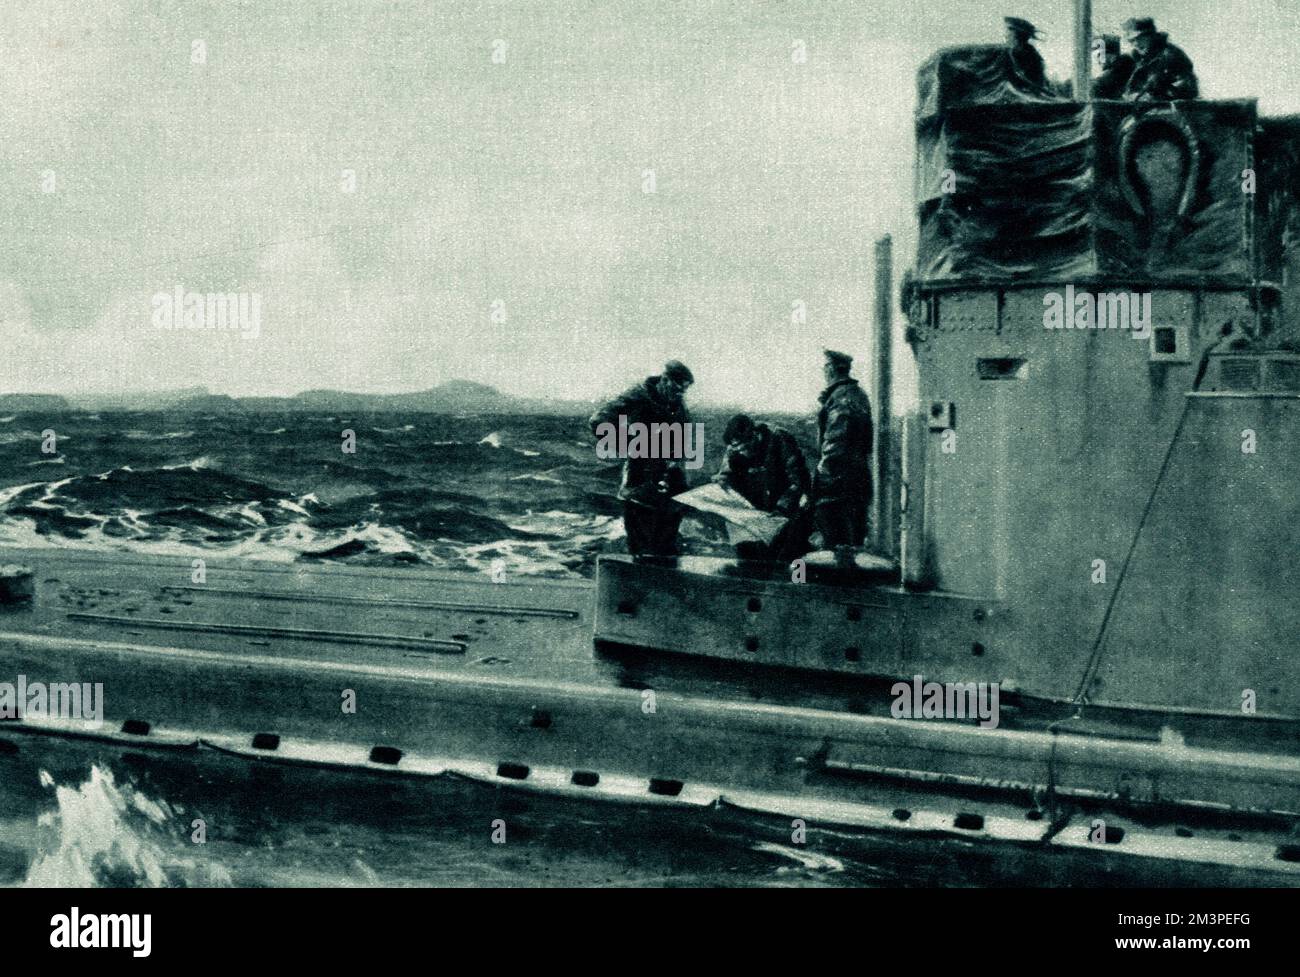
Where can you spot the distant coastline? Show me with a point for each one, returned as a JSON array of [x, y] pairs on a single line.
[[452, 397]]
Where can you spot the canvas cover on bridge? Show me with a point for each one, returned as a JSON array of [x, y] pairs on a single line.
[[977, 74], [1015, 187]]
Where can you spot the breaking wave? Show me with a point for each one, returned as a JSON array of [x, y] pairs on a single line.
[[104, 834]]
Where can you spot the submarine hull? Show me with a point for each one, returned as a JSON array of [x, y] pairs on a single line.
[[412, 674]]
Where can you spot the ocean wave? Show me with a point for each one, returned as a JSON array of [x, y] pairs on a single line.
[[494, 440], [16, 437], [136, 435], [809, 861], [544, 477], [104, 834], [446, 492]]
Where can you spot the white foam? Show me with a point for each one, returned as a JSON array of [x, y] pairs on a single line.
[[811, 861], [136, 435], [9, 494], [100, 829]]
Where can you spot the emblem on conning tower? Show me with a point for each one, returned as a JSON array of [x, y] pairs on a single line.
[[1159, 166]]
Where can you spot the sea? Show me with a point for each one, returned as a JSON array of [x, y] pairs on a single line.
[[462, 493]]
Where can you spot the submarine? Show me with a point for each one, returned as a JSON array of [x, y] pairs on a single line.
[[1098, 522]]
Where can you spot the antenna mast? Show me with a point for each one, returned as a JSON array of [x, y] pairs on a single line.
[[1082, 50]]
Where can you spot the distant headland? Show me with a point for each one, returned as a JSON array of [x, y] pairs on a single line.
[[452, 397]]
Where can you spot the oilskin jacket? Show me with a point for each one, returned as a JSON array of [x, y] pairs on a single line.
[[1164, 75], [845, 437], [1026, 71], [641, 476], [1114, 79], [776, 476]]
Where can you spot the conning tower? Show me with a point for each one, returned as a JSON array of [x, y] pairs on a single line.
[[1125, 495]]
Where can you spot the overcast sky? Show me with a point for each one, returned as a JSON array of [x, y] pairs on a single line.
[[519, 183]]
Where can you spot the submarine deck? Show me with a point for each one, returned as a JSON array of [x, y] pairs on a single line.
[[312, 613], [535, 630], [430, 624]]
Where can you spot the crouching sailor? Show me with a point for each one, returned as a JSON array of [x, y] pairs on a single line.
[[650, 479], [765, 466]]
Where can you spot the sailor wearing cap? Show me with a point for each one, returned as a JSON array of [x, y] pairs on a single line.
[[650, 517], [1116, 70], [1019, 27], [1162, 71], [842, 484], [1137, 29], [1026, 69]]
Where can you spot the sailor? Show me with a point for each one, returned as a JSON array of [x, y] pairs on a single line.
[[1162, 72], [766, 467], [1025, 65], [842, 483], [650, 517], [1116, 69]]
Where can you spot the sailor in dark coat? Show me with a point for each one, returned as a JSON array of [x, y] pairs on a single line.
[[842, 484], [650, 517], [1162, 72], [1116, 70], [1025, 67], [765, 466]]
